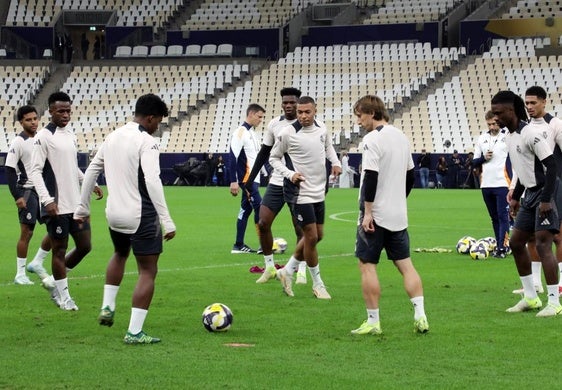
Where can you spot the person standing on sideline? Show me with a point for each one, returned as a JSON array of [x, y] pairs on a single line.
[[490, 154], [56, 177], [244, 147], [383, 216], [299, 155], [441, 172], [136, 210], [220, 171], [455, 166], [530, 153], [18, 162], [346, 176], [273, 200], [424, 164]]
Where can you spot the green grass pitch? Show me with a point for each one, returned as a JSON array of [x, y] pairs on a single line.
[[295, 342]]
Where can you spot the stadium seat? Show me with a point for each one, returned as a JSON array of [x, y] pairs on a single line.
[[47, 53], [225, 49], [123, 51], [193, 51], [3, 53], [174, 51], [209, 50], [140, 51], [157, 51]]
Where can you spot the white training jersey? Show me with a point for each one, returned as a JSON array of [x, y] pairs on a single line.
[[494, 171], [244, 148], [54, 168], [527, 147], [305, 150], [129, 156], [554, 138], [386, 150], [19, 158], [272, 131]]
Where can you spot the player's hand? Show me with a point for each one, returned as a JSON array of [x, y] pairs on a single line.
[[545, 208], [509, 196], [489, 154], [21, 203], [82, 220], [513, 208], [368, 224], [336, 171], [234, 188], [168, 236], [246, 192], [297, 178], [52, 209], [99, 192]]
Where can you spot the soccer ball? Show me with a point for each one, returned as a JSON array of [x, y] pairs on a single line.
[[279, 245], [217, 318], [479, 251], [464, 244], [490, 242]]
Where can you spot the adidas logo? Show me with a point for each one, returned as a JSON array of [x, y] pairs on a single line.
[[545, 222]]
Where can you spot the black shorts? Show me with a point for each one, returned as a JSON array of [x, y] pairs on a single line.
[[147, 240], [30, 215], [308, 213], [528, 218], [61, 226], [273, 198], [368, 246]]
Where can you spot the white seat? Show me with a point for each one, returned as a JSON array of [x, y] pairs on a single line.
[[140, 51], [157, 51], [47, 53], [123, 51], [225, 49], [209, 50], [175, 51], [3, 53], [193, 51]]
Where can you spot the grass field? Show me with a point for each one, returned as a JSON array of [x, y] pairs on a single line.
[[295, 342]]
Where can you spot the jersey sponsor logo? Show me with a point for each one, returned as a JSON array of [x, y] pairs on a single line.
[[545, 222]]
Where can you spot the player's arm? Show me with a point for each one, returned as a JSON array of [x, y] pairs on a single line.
[[370, 182], [150, 164], [332, 156], [38, 158], [276, 157], [261, 159], [12, 178], [550, 179], [479, 158], [410, 179], [88, 185]]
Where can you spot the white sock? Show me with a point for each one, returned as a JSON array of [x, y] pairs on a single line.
[[40, 256], [20, 266], [537, 268], [315, 273], [372, 316], [302, 268], [553, 295], [528, 286], [560, 276], [109, 294], [291, 266], [419, 310], [62, 287], [268, 259], [137, 320]]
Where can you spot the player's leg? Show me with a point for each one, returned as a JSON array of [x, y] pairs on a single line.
[[26, 232], [368, 248], [267, 216], [114, 275], [256, 201], [36, 265], [558, 245], [503, 220], [520, 235], [82, 236], [301, 271], [544, 235], [241, 224], [491, 202]]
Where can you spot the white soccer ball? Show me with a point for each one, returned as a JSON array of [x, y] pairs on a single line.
[[217, 317], [490, 243], [464, 244], [279, 245], [479, 251]]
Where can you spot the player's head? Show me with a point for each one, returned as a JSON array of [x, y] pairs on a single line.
[[508, 109], [535, 101], [306, 111], [27, 117], [254, 114], [289, 98], [491, 121], [149, 111], [370, 110], [59, 108]]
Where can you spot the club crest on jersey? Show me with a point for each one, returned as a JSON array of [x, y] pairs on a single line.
[[518, 149], [322, 138], [544, 135], [58, 230], [28, 216]]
